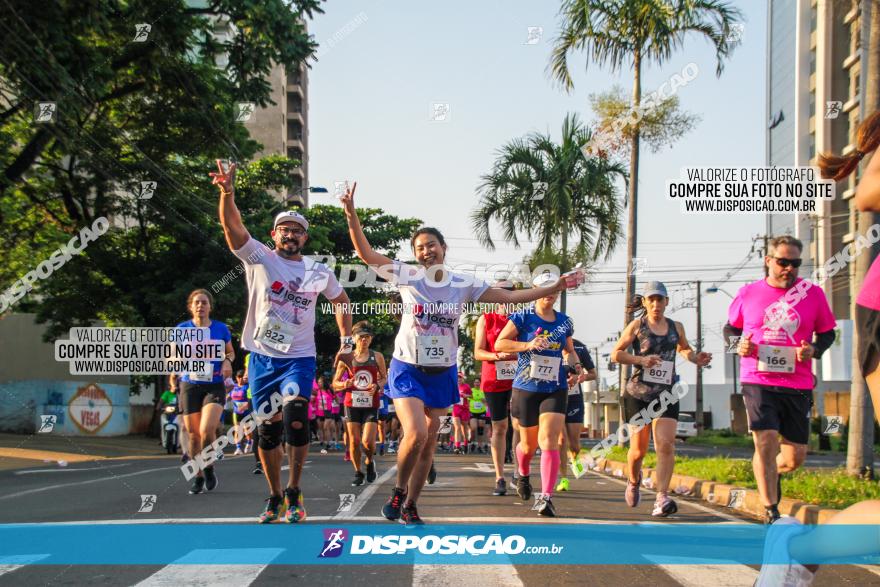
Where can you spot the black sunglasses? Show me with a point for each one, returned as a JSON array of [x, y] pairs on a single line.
[[783, 262]]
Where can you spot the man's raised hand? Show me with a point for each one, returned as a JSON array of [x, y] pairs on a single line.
[[225, 178], [347, 198]]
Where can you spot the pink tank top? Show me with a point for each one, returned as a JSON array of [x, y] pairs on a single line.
[[869, 296]]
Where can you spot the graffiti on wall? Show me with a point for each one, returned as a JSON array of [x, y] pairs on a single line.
[[90, 408]]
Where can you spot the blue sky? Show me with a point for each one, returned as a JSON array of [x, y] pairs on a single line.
[[370, 100]]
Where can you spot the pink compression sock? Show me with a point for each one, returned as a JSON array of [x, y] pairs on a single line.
[[523, 462], [549, 470]]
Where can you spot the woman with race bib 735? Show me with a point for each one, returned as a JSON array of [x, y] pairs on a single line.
[[423, 372]]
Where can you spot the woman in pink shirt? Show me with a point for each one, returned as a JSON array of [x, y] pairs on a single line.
[[867, 199]]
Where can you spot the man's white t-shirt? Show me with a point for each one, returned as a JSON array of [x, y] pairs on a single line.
[[428, 334], [282, 296]]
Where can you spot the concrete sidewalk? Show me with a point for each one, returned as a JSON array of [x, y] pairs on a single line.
[[29, 450]]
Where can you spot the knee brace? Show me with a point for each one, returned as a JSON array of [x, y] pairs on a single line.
[[296, 413], [270, 435]]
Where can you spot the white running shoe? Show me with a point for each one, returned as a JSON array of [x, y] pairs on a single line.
[[663, 506], [790, 574], [238, 451]]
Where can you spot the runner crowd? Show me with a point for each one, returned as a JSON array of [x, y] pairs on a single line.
[[526, 401]]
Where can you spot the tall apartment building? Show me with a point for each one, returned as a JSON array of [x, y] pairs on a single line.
[[816, 49], [282, 128]]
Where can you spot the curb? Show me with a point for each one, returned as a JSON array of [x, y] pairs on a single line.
[[745, 501]]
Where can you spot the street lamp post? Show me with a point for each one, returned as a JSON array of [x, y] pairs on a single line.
[[699, 350], [715, 289], [313, 189]]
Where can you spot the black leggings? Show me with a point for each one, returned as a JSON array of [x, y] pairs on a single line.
[[527, 406]]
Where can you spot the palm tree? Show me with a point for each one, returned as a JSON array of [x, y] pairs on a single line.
[[622, 33], [581, 199]]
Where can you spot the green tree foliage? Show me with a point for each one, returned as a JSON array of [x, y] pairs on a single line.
[[131, 109], [581, 200], [659, 127]]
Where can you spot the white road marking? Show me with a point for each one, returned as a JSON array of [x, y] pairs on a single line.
[[711, 572], [14, 562], [68, 469], [482, 575], [871, 569], [365, 495], [698, 506], [87, 482], [185, 571], [481, 467]]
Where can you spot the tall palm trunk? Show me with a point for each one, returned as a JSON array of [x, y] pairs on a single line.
[[860, 445], [632, 204], [564, 267]]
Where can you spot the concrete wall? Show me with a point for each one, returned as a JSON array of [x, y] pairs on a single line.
[[33, 384], [80, 409]]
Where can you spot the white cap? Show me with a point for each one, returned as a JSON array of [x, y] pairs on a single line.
[[544, 279], [291, 216]]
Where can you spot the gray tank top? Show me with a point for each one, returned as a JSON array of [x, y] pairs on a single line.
[[648, 343]]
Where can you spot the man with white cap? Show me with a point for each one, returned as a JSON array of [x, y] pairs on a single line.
[[279, 330]]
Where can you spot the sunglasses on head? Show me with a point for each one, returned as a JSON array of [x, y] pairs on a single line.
[[783, 262]]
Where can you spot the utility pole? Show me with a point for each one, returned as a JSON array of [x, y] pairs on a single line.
[[699, 414], [596, 360]]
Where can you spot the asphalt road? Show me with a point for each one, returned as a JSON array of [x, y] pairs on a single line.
[[110, 491]]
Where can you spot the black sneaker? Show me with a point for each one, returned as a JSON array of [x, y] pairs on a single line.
[[258, 470], [358, 479], [391, 509], [210, 479], [371, 471], [523, 487], [273, 509], [771, 514], [500, 487], [546, 509], [410, 516], [432, 474], [198, 486]]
